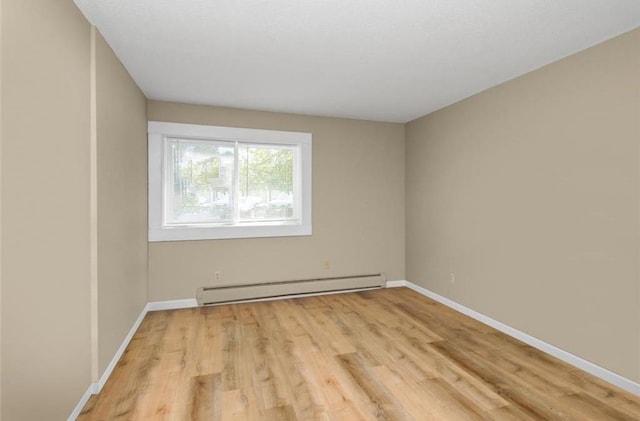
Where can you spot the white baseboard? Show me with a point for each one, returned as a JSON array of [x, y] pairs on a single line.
[[120, 351], [96, 387], [83, 401], [589, 367], [172, 305]]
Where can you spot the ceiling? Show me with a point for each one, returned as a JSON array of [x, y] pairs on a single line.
[[385, 60]]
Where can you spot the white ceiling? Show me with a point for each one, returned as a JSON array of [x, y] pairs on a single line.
[[387, 60]]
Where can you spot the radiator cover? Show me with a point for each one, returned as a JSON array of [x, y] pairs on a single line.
[[240, 292]]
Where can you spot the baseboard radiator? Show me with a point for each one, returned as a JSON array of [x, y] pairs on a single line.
[[230, 293]]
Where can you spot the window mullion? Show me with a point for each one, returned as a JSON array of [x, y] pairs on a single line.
[[236, 184]]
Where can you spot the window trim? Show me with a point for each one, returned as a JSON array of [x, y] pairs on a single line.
[[158, 131]]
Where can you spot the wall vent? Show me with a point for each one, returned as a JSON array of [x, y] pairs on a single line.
[[240, 292]]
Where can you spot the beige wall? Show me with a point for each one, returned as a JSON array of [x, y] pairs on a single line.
[[47, 220], [122, 201], [358, 208], [528, 193], [45, 209]]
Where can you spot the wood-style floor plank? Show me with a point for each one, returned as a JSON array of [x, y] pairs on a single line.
[[387, 354]]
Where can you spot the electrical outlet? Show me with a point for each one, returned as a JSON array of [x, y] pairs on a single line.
[[218, 276], [327, 264], [452, 277]]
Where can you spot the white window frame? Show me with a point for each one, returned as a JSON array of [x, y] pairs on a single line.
[[158, 131]]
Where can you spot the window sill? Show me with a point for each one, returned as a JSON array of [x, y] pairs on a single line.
[[187, 233]]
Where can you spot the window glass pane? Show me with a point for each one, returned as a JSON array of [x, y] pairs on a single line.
[[266, 183], [199, 184]]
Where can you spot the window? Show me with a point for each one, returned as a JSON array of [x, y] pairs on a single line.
[[210, 182]]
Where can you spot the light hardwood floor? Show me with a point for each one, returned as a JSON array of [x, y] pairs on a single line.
[[388, 354]]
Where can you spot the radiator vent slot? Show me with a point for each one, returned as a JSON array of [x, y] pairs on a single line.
[[241, 292]]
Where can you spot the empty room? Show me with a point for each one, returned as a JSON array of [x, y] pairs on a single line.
[[319, 210]]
